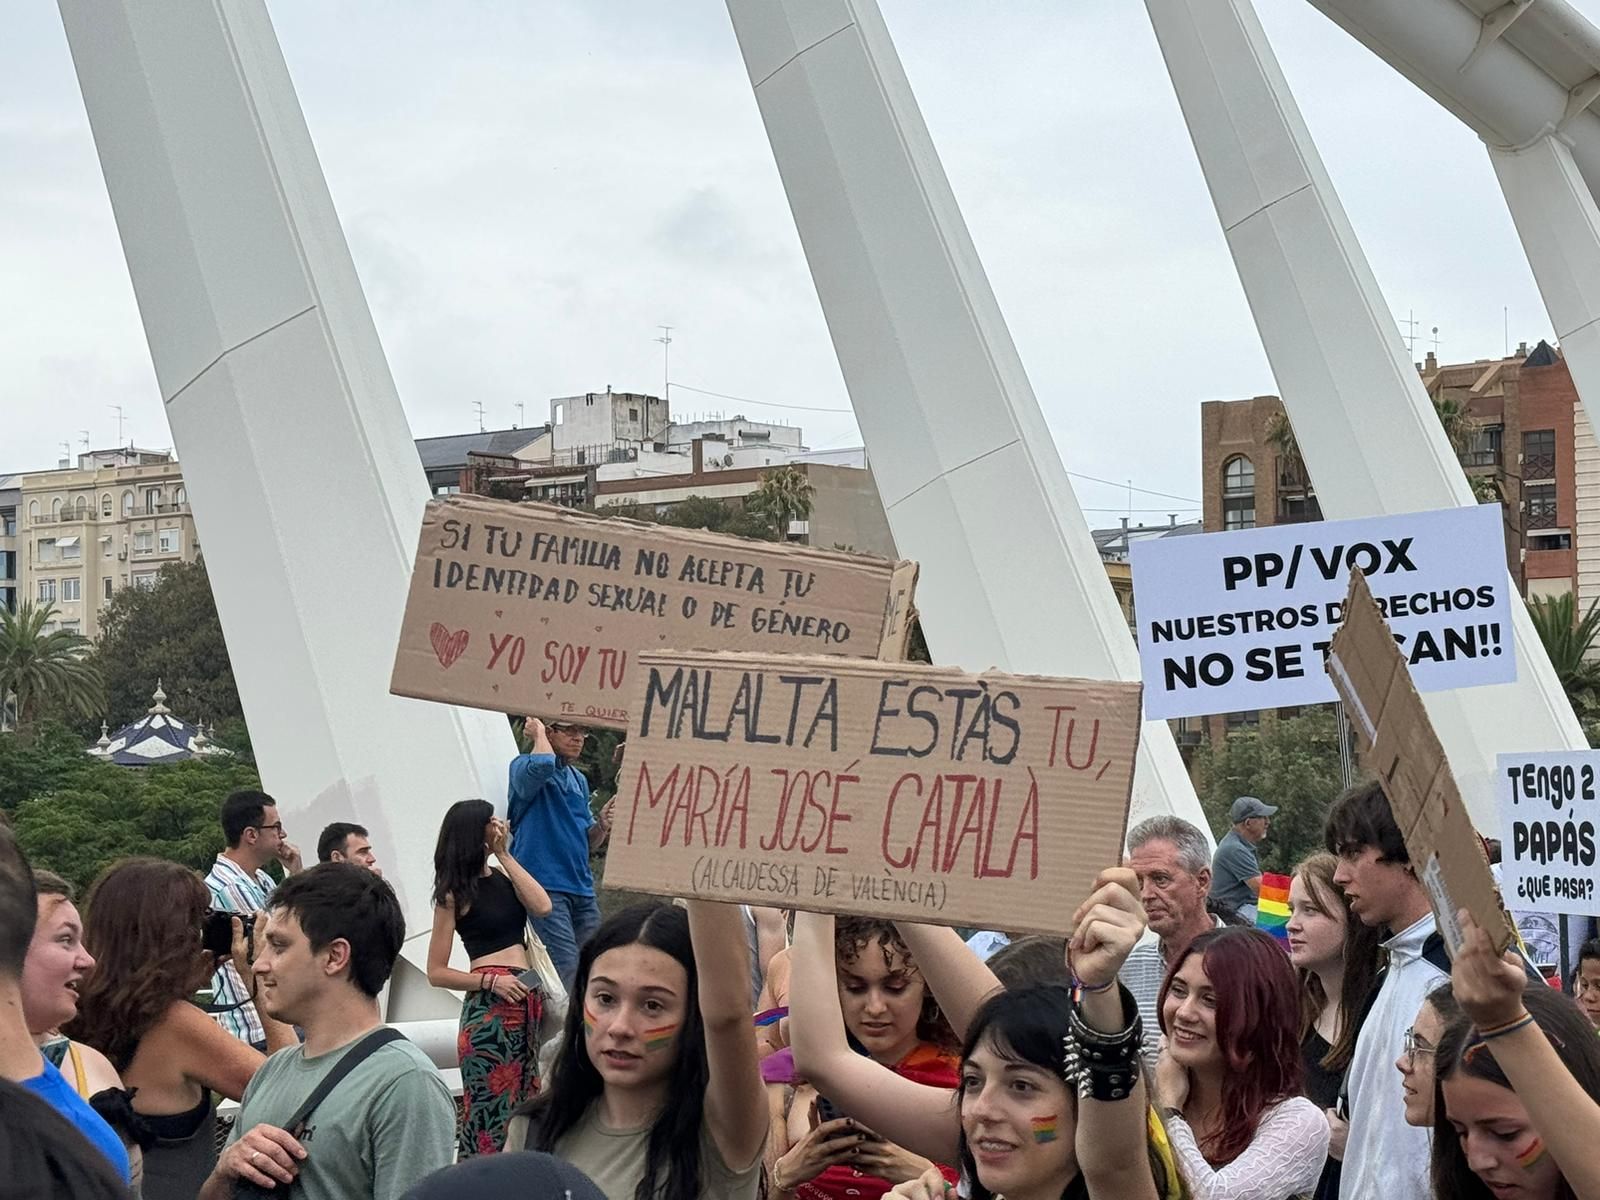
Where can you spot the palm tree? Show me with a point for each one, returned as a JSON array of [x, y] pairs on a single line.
[[1460, 426], [1568, 641], [1280, 437], [39, 668], [785, 496]]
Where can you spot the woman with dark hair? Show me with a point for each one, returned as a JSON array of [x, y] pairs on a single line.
[[143, 923], [894, 1020], [1517, 1100], [1228, 1080], [656, 1092], [1051, 1102], [498, 1042], [42, 1154], [1336, 957]]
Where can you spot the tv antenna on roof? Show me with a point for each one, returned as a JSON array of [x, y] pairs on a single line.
[[478, 404], [666, 361], [117, 408], [522, 416]]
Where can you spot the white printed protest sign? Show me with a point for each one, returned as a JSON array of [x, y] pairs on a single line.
[[1229, 622], [1549, 808]]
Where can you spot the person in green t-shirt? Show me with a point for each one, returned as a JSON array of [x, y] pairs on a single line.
[[331, 940]]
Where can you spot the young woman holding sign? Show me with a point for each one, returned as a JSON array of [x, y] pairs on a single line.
[[1030, 1120], [1517, 1092]]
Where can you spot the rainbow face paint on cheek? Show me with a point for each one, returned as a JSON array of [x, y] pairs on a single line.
[[1530, 1157], [1044, 1128], [659, 1038], [589, 1020]]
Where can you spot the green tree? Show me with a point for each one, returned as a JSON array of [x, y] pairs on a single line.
[[1460, 426], [76, 815], [171, 633], [46, 671], [698, 512], [785, 496], [1293, 764], [1569, 640], [1280, 438]]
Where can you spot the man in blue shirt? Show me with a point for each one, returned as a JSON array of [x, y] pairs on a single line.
[[553, 832], [20, 1059]]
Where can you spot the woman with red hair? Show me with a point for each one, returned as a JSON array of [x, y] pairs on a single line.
[[1228, 1080]]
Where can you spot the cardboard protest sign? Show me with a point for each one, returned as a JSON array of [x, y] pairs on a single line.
[[895, 790], [1230, 622], [1549, 809], [1400, 747], [527, 608]]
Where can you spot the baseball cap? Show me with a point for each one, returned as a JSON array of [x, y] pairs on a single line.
[[1246, 807], [521, 1173]]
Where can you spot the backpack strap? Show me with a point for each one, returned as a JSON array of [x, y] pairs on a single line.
[[352, 1059]]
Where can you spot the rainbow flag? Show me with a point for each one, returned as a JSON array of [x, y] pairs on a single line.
[[1272, 908]]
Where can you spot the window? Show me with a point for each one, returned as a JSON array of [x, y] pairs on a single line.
[[145, 581], [1556, 539], [633, 414], [127, 504], [72, 588], [169, 539], [1539, 454], [71, 626], [71, 549], [47, 551], [1539, 505], [80, 508], [8, 523], [1484, 448], [1244, 720], [105, 505], [181, 496], [152, 500], [143, 541], [33, 512], [55, 509], [1238, 493], [105, 545], [47, 591], [108, 588], [558, 414]]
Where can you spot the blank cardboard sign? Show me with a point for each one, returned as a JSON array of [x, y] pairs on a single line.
[[529, 608], [1400, 747], [892, 790]]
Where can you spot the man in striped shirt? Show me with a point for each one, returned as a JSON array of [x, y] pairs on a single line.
[[238, 884]]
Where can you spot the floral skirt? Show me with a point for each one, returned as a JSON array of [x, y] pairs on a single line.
[[499, 1050]]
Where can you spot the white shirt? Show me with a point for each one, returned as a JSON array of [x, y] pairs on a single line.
[[1384, 1156], [985, 942], [1283, 1160]]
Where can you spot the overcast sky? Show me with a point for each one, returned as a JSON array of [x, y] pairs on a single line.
[[531, 189]]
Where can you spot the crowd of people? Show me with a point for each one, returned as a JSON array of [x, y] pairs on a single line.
[[692, 1050]]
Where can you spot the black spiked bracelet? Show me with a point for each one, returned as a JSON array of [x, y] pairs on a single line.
[[1103, 1066]]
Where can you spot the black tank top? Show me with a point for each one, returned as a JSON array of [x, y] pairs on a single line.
[[495, 920]]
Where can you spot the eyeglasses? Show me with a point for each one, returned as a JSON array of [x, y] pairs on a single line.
[[276, 827], [1412, 1047]]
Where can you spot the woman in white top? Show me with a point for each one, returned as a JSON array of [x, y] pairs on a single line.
[[1228, 1080]]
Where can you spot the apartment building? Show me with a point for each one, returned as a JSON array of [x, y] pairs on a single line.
[[10, 497], [86, 531]]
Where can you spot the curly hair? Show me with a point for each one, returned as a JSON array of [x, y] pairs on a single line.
[[142, 923], [851, 938]]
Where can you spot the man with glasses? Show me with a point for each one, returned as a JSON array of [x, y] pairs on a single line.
[[1235, 869], [553, 832], [239, 884]]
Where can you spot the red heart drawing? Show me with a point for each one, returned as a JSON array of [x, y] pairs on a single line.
[[447, 646]]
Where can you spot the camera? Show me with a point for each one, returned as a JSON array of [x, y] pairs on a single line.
[[216, 935]]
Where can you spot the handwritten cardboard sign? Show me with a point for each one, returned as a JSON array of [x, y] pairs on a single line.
[[1400, 747], [527, 608], [1241, 620], [1549, 814], [893, 790]]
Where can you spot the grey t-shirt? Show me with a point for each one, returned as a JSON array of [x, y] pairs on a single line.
[[385, 1126], [1234, 862]]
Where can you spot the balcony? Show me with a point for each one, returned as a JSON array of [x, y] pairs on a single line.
[[87, 516], [1538, 466]]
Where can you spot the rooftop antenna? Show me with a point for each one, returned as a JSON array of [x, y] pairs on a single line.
[[522, 416], [478, 404], [1411, 332], [83, 436], [117, 408], [1435, 341], [666, 361], [66, 451], [1505, 325]]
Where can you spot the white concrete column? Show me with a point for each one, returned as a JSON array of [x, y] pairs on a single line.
[[306, 486], [1366, 428], [1559, 225], [968, 472]]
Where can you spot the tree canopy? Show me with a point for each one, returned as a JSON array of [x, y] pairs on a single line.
[[171, 633], [46, 671]]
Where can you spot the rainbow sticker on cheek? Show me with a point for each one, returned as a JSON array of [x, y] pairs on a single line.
[[1530, 1157], [589, 1020], [659, 1038], [1044, 1128]]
